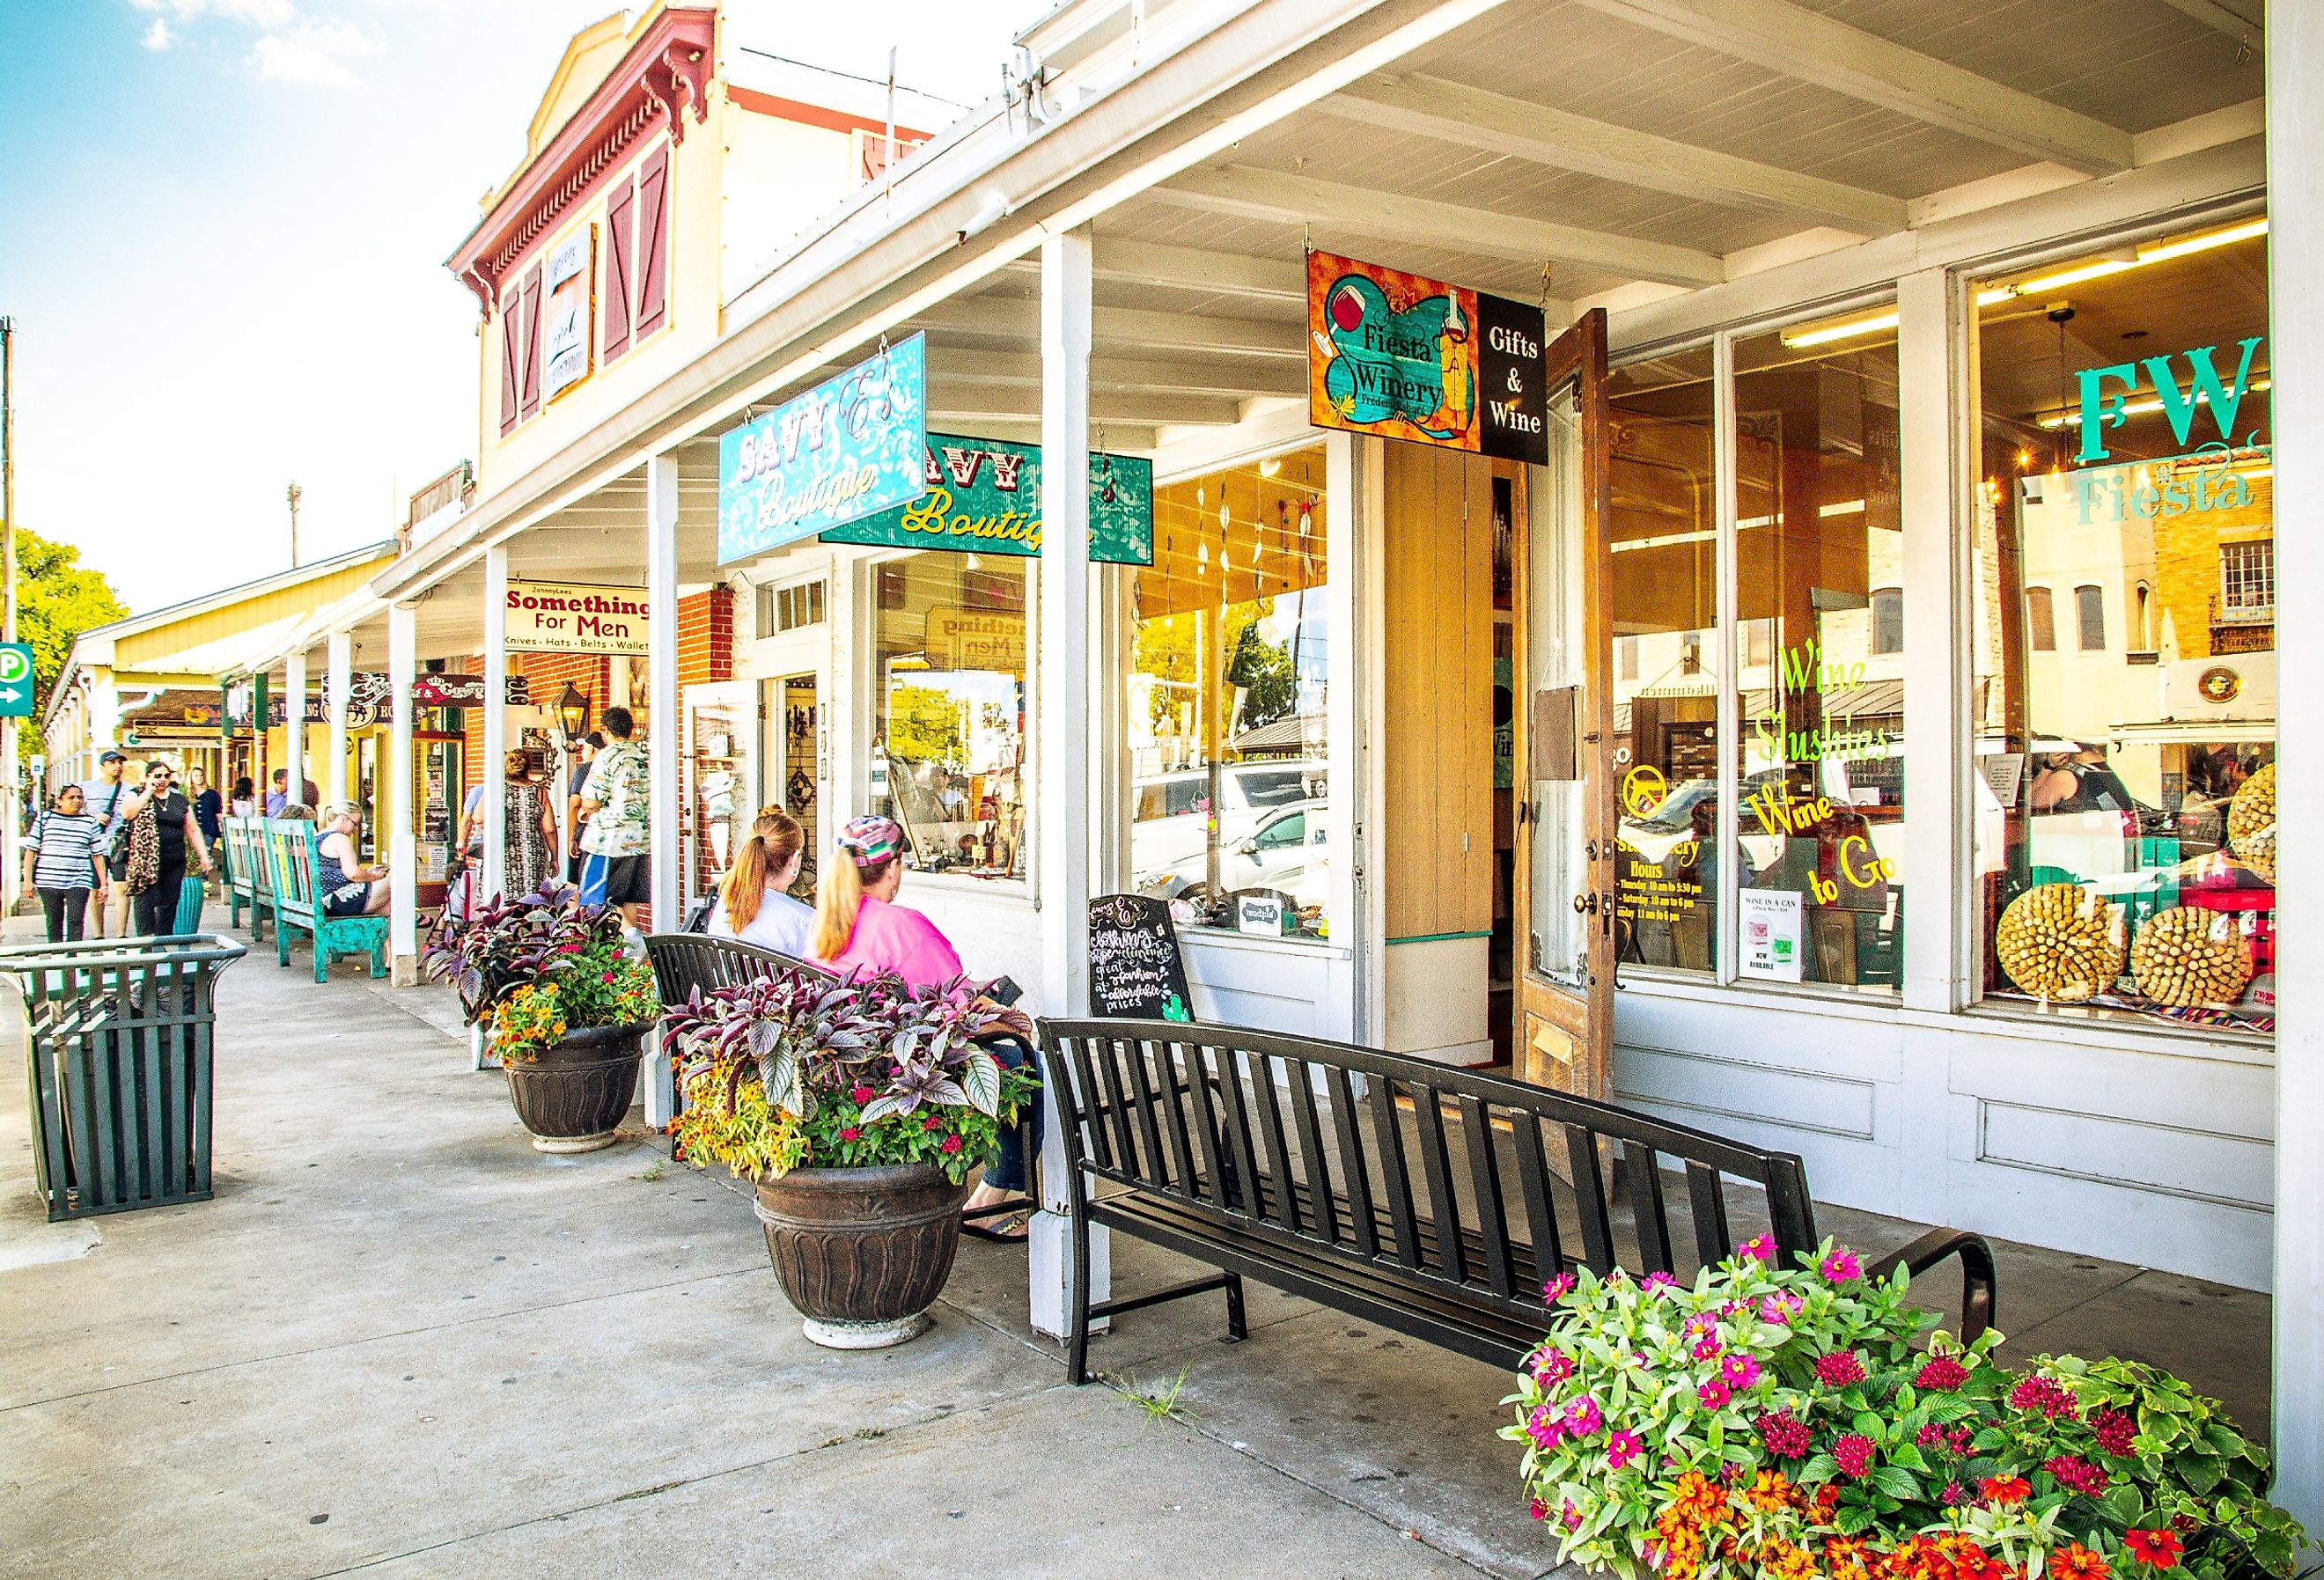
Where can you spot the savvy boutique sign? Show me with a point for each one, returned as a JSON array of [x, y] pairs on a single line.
[[984, 497], [853, 445], [1405, 356]]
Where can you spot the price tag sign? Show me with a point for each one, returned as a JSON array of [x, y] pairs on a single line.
[[15, 681]]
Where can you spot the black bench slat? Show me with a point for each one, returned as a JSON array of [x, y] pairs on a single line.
[[1335, 1217]]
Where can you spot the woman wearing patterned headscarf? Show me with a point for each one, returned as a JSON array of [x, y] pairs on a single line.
[[859, 928]]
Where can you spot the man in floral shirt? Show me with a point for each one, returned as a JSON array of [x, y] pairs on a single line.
[[615, 845]]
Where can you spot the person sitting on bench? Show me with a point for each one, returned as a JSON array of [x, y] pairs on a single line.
[[754, 903], [343, 885]]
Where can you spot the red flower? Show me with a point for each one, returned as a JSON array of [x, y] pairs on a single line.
[[1940, 1372], [2076, 1476], [1540, 1510], [933, 1121], [1785, 1434], [1853, 1454], [860, 1095], [2076, 1562], [850, 1134], [2005, 1489], [1839, 1369], [2158, 1548], [951, 1144], [2045, 1395], [2116, 1430]]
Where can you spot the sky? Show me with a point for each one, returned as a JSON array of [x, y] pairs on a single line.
[[223, 226]]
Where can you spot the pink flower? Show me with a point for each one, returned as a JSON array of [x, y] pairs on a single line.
[[1538, 1510], [1557, 1289], [1545, 1426], [1712, 1393], [860, 1096], [1758, 1248], [1656, 1282], [1552, 1365], [1853, 1454], [2077, 1475], [933, 1121], [608, 976], [2115, 1432], [1621, 1448], [1700, 1323], [1955, 1494], [1939, 1373], [951, 1144], [1780, 1308], [1738, 1370], [2045, 1395], [1583, 1418], [1570, 1515], [1839, 1369], [850, 1134], [1706, 1348], [1841, 1267], [1785, 1434]]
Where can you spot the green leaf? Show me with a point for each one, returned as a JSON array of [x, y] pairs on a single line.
[[1896, 1482], [980, 1077], [1908, 1455]]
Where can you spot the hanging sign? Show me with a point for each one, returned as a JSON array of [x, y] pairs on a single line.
[[1405, 356], [572, 266], [559, 617], [984, 497], [1772, 933], [853, 445], [1135, 967]]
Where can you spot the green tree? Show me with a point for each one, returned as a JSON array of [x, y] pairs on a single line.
[[1264, 668], [58, 598], [924, 725]]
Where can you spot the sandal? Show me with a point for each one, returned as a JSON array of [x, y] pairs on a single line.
[[1012, 1229]]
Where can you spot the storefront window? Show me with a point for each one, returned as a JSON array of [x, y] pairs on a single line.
[[1819, 547], [948, 711], [1665, 550], [1226, 703], [2124, 791]]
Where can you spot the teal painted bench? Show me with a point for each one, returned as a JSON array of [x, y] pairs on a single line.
[[246, 872], [290, 861]]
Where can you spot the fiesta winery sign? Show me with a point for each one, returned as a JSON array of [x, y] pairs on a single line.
[[555, 617]]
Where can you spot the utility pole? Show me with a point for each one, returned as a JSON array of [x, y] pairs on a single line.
[[9, 820], [293, 496]]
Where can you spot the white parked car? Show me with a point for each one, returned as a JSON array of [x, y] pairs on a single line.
[[1169, 812], [1287, 840]]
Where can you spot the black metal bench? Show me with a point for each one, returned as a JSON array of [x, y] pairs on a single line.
[[684, 962], [1331, 1171]]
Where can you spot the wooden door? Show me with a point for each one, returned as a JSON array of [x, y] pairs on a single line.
[[1564, 590]]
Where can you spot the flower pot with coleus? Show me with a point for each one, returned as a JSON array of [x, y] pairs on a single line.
[[566, 1006], [1767, 1421], [859, 1110]]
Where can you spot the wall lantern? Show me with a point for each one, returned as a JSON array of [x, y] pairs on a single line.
[[573, 712]]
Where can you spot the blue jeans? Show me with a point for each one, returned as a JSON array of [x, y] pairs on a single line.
[[1010, 1173]]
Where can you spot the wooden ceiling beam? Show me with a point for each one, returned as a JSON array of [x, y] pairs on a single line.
[[1263, 194], [1493, 122], [1793, 40], [969, 403]]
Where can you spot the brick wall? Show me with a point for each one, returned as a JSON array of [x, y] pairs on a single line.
[[705, 636]]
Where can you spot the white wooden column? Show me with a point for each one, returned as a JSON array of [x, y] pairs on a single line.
[[294, 725], [661, 751], [338, 679], [490, 881], [1061, 739], [2295, 122], [402, 853]]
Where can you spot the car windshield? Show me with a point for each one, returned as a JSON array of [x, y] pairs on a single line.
[[1273, 787]]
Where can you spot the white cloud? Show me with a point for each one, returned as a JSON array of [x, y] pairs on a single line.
[[310, 51], [272, 13], [157, 37]]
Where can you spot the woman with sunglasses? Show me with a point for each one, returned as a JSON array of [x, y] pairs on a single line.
[[162, 835], [66, 853]]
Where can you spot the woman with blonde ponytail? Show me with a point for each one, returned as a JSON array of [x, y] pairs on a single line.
[[754, 904], [859, 926]]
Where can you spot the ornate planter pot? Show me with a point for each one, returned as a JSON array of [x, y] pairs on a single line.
[[863, 1252], [572, 1096]]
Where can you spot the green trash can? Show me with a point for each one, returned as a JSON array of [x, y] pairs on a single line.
[[120, 1063]]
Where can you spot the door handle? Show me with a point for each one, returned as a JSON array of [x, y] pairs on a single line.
[[1585, 903]]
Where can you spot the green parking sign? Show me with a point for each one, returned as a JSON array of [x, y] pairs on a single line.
[[15, 681]]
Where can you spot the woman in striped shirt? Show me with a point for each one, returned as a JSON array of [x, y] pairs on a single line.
[[66, 850]]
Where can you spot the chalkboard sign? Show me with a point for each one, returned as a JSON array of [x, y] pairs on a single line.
[[1135, 970]]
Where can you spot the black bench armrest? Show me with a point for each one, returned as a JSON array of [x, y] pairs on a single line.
[[1977, 1271]]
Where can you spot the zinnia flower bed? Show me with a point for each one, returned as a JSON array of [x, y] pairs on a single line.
[[1774, 1422]]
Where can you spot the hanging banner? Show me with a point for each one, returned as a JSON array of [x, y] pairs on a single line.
[[561, 617], [852, 446], [984, 497], [572, 266], [1404, 357]]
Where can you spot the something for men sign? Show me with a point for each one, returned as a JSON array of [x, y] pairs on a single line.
[[558, 617]]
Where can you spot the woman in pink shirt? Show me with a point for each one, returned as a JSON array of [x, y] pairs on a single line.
[[860, 930]]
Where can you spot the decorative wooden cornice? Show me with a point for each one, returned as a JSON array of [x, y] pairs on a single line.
[[663, 76]]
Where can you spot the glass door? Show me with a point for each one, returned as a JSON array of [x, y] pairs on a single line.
[[718, 775], [1565, 858]]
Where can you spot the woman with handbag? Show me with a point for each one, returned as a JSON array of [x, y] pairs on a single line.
[[163, 832], [66, 853]]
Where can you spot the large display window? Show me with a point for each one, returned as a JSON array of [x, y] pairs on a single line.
[[1224, 712], [948, 638], [2124, 639]]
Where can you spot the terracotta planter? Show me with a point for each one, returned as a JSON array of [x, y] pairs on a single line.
[[863, 1252], [574, 1096]]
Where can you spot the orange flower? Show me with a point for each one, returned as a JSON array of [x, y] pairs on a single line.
[[1769, 1492], [1844, 1555], [2005, 1489], [1698, 1499], [2076, 1562]]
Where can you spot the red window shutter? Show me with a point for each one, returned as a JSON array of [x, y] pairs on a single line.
[[511, 355], [530, 402], [618, 294], [653, 242]]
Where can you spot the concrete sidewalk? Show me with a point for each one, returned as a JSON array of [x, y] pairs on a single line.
[[402, 1342]]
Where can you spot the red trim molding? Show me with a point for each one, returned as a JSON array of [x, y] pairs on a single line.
[[665, 74], [791, 109]]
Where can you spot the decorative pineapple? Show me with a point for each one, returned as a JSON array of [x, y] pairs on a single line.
[[2251, 822], [2060, 942], [2191, 957]]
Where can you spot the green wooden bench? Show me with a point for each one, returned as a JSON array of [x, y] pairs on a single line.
[[291, 861], [245, 874]]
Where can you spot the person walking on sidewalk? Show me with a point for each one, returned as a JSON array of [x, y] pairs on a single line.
[[161, 834], [65, 853], [616, 844], [101, 798]]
